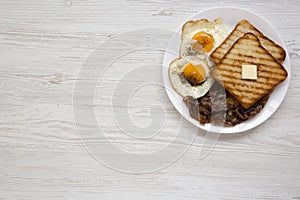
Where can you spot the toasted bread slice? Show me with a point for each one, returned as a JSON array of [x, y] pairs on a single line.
[[240, 29], [248, 50]]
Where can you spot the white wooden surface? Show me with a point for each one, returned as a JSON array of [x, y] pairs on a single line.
[[43, 44]]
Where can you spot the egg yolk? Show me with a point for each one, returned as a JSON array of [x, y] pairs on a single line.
[[206, 40], [195, 74]]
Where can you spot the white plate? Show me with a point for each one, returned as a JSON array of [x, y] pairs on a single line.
[[231, 16]]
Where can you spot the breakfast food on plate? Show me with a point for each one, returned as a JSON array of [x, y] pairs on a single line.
[[189, 76], [246, 27], [201, 108], [202, 36], [247, 50], [245, 64]]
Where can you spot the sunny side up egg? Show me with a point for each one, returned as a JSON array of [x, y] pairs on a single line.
[[189, 76], [202, 36]]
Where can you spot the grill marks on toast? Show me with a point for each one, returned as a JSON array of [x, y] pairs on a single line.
[[242, 28], [248, 50]]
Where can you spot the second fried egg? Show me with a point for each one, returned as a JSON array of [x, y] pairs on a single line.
[[202, 36]]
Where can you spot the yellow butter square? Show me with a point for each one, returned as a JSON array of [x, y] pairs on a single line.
[[249, 72]]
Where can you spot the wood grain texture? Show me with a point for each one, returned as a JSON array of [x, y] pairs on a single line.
[[45, 43]]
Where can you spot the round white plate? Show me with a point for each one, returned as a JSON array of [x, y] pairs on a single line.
[[231, 16]]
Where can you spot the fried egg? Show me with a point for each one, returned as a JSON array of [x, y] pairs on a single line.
[[202, 36], [189, 76]]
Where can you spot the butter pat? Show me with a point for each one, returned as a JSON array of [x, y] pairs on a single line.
[[249, 72]]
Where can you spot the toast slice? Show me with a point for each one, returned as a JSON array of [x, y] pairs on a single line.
[[240, 29], [248, 50]]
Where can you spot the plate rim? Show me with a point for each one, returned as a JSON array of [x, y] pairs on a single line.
[[228, 130]]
